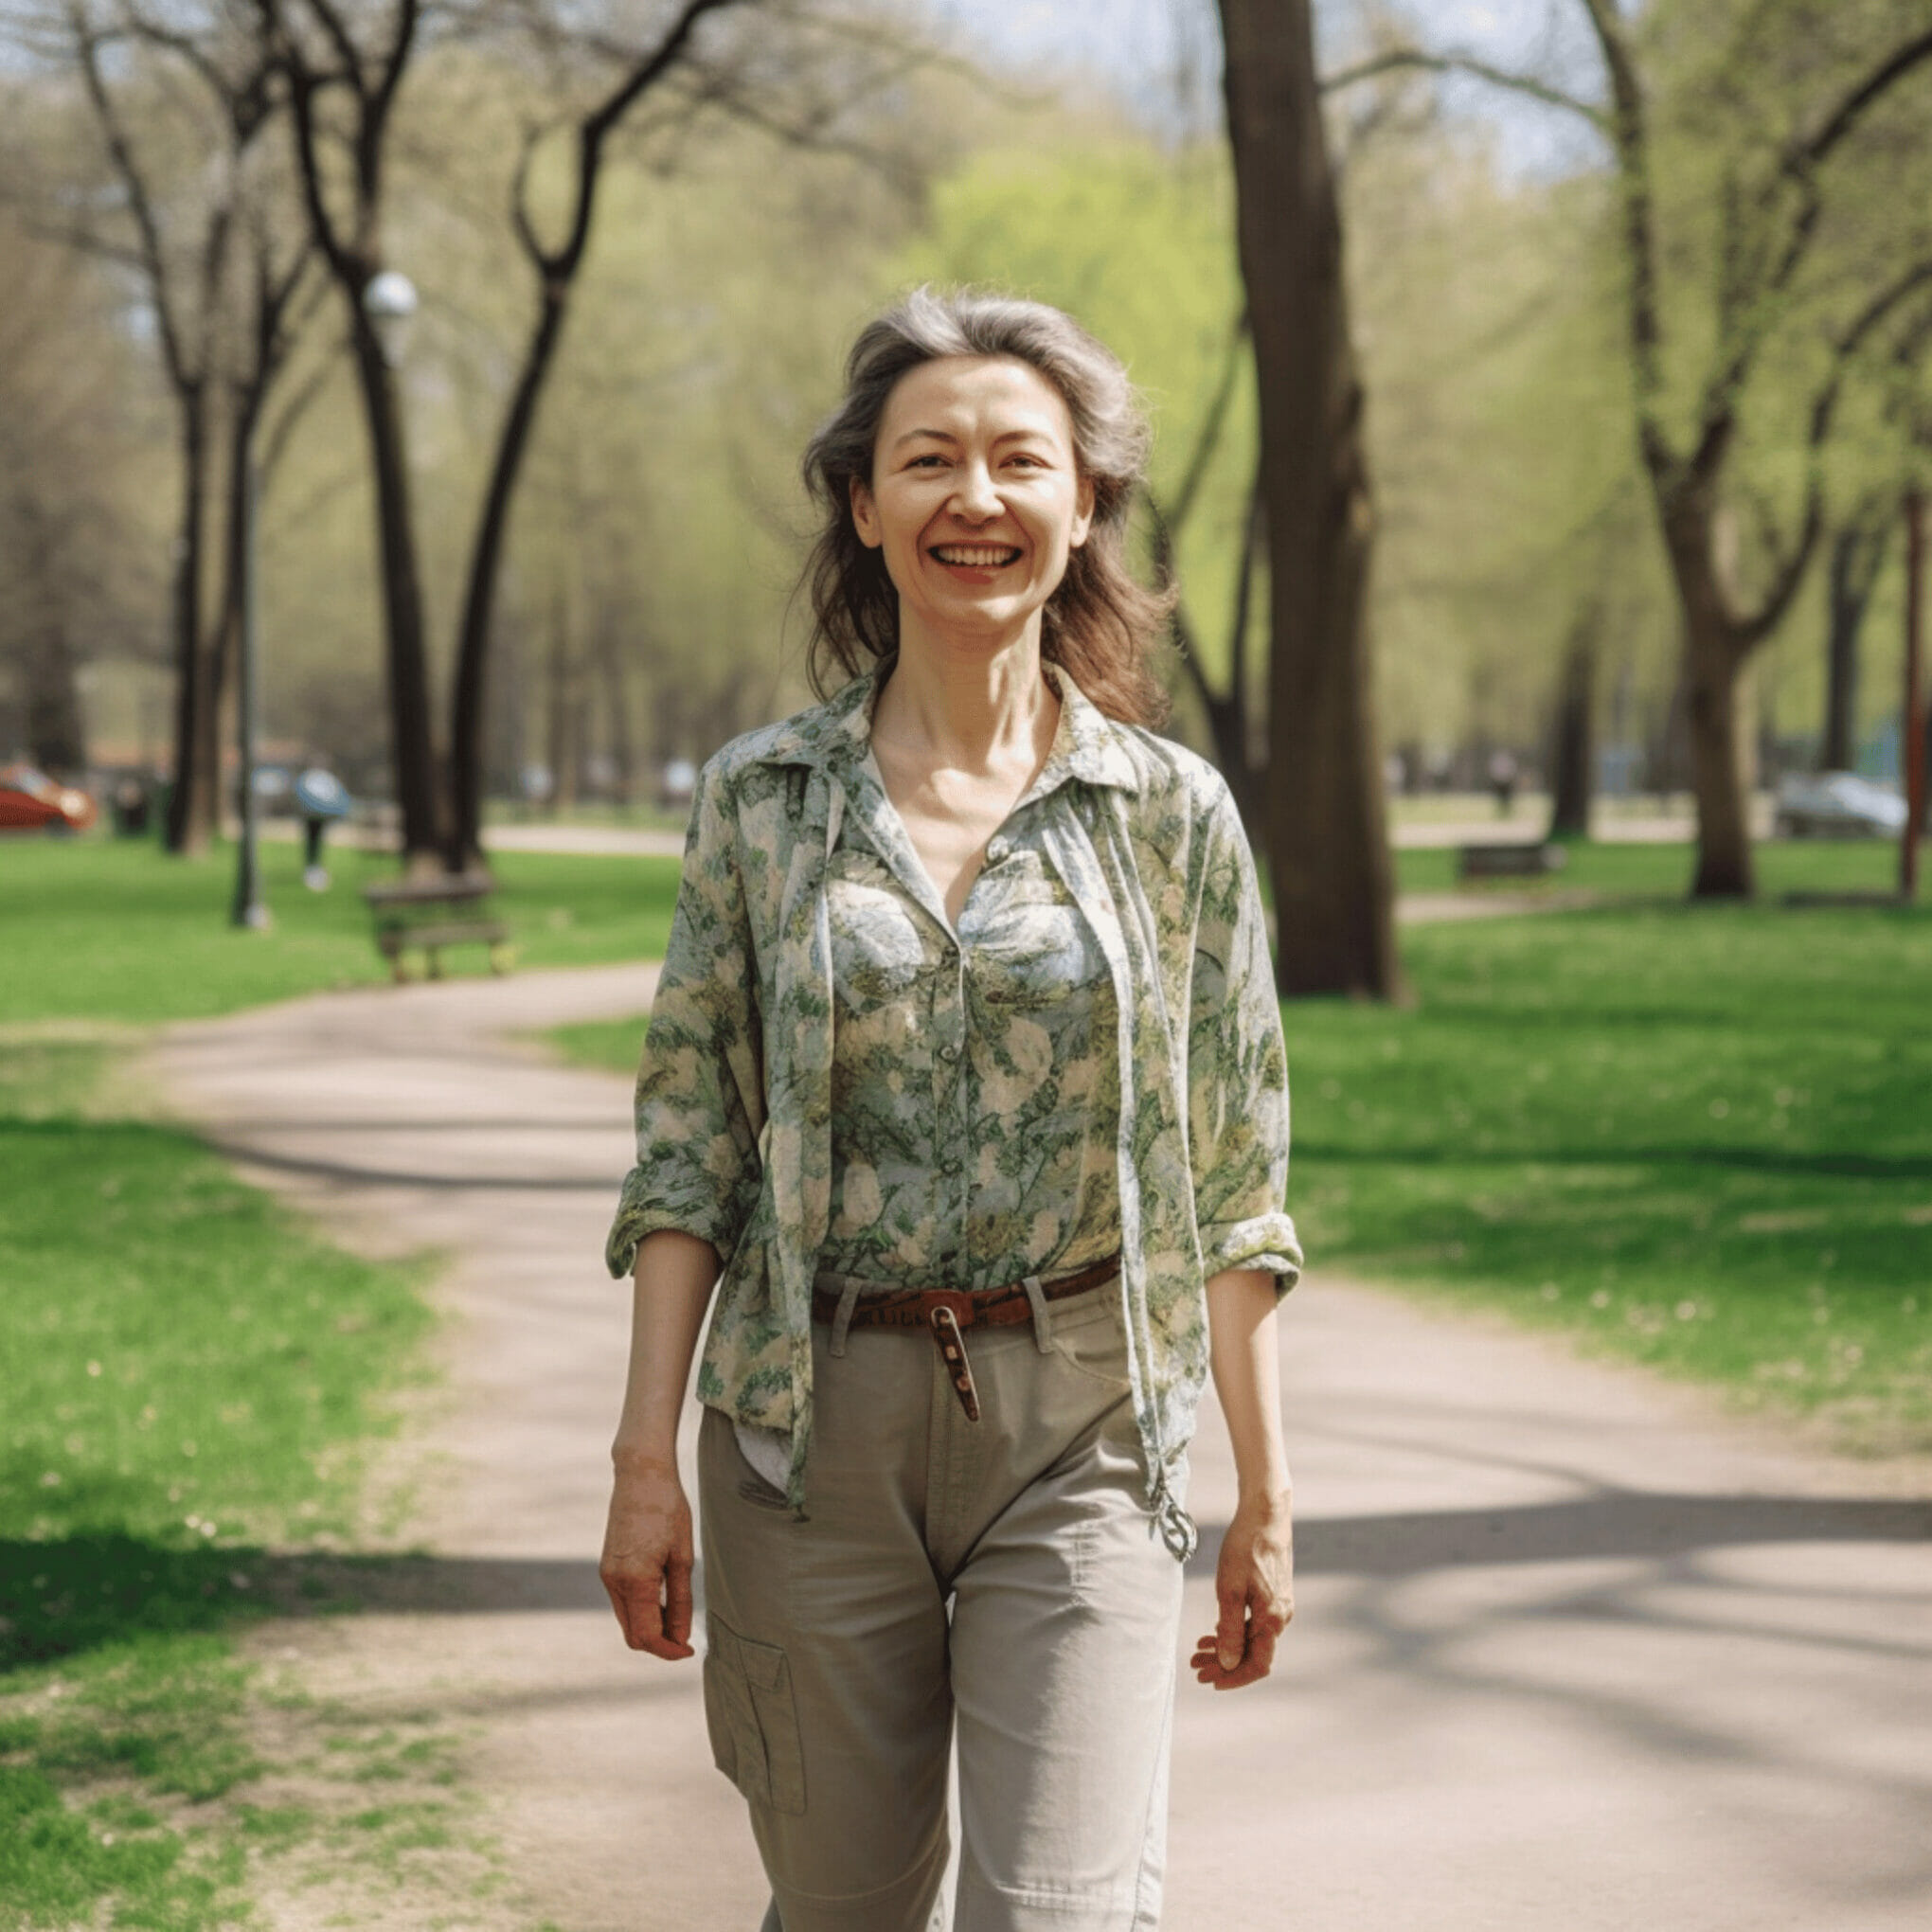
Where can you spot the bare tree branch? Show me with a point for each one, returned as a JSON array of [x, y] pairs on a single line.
[[1805, 154], [1396, 60], [1630, 135], [1172, 517]]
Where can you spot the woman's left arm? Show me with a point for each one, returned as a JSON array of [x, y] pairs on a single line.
[[1254, 1580], [1237, 1152]]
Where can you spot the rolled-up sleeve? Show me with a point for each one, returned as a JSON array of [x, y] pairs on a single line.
[[700, 1102], [1237, 1070]]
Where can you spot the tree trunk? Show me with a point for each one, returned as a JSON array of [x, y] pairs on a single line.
[[1857, 557], [562, 745], [1573, 749], [56, 740], [191, 803], [622, 745], [469, 696], [1719, 766], [412, 745], [1328, 846]]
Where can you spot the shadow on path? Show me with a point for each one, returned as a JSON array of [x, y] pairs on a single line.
[[82, 1592]]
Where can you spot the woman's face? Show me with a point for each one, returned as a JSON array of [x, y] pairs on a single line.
[[976, 499]]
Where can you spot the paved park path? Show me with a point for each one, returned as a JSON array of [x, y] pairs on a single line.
[[1574, 1653]]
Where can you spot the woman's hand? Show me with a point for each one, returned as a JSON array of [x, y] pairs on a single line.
[[647, 1558], [1254, 1583]]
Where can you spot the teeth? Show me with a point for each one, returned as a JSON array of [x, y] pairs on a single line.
[[979, 556]]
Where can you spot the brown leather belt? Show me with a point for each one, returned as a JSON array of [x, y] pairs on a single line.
[[947, 1311]]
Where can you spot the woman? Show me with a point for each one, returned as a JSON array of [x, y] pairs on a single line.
[[966, 1071]]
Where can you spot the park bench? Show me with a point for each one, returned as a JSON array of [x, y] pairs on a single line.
[[1509, 861], [430, 914]]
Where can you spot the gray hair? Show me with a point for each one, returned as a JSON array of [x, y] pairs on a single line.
[[1102, 624]]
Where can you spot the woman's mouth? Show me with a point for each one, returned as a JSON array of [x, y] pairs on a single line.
[[976, 556]]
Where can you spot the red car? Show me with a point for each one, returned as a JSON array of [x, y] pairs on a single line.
[[31, 801]]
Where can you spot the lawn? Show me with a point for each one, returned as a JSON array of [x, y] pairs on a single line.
[[1697, 1137], [101, 930], [190, 1377]]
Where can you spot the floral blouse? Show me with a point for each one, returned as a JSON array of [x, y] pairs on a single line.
[[760, 1115], [975, 1085]]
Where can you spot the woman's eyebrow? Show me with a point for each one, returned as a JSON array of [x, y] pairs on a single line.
[[1032, 433]]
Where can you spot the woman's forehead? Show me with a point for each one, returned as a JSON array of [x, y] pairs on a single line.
[[957, 393]]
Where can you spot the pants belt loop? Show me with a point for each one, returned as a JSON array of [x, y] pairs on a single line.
[[847, 1301], [1043, 1322]]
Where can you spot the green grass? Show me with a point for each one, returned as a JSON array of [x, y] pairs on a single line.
[[1699, 1137], [1694, 1137], [103, 930], [1663, 871], [189, 1376]]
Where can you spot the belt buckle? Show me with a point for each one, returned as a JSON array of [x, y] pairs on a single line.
[[942, 1308]]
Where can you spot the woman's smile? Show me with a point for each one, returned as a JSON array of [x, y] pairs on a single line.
[[975, 557]]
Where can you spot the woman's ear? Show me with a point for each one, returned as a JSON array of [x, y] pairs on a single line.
[[1082, 514], [864, 515]]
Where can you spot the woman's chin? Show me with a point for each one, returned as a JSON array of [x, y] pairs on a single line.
[[975, 625]]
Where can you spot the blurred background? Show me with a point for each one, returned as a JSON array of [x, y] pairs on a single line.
[[568, 458]]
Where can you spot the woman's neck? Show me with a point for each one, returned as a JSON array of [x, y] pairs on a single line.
[[968, 710]]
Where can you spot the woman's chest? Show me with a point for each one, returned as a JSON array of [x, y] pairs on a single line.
[[1021, 941]]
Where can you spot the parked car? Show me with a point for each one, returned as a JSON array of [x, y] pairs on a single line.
[[1837, 805], [31, 801]]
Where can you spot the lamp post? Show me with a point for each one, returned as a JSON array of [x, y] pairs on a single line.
[[249, 910], [389, 300]]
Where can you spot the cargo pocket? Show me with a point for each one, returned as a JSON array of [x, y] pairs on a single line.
[[752, 1720]]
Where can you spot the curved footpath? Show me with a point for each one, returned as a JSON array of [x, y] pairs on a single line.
[[1574, 1652]]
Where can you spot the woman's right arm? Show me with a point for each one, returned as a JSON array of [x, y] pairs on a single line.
[[648, 1550]]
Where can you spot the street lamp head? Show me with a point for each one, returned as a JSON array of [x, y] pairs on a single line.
[[390, 302]]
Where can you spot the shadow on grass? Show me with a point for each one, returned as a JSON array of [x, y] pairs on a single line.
[[1760, 1159], [62, 1598]]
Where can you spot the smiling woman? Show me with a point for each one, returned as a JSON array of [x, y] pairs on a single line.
[[965, 1089]]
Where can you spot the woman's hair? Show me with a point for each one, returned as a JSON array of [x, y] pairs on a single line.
[[1100, 624]]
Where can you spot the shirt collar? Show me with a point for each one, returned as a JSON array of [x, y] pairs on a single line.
[[836, 735]]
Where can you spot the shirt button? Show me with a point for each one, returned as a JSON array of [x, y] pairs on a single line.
[[949, 1051], [996, 850]]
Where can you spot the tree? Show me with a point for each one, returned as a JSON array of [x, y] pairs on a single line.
[[1857, 556], [1226, 705], [179, 103], [345, 80], [555, 268], [75, 555], [314, 46], [1776, 100], [1328, 846]]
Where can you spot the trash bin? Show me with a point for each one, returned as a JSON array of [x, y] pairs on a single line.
[[131, 807]]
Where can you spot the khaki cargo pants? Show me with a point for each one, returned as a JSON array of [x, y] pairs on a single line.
[[834, 1675]]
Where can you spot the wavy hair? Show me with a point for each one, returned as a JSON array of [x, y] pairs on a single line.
[[1102, 623]]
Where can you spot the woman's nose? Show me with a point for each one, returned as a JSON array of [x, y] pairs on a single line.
[[973, 495]]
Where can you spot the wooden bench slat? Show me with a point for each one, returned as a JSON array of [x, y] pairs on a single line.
[[1509, 861]]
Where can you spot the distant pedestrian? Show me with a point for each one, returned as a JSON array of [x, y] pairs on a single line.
[[966, 1074], [1503, 774]]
